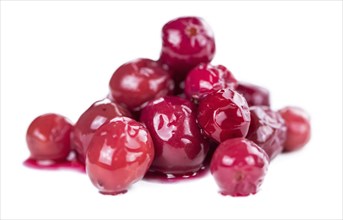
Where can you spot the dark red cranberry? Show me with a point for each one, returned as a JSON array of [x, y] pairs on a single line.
[[239, 166], [267, 129], [186, 42], [298, 127], [207, 78], [119, 155], [135, 83], [179, 146], [96, 115], [212, 148], [48, 137], [255, 95], [224, 114]]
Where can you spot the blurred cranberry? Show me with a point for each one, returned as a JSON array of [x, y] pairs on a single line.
[[267, 129], [298, 127], [255, 95], [135, 83], [48, 137], [207, 78]]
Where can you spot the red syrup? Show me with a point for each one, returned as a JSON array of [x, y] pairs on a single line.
[[70, 163], [152, 176]]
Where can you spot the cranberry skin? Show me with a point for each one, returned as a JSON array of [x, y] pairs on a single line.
[[267, 129], [179, 146], [186, 42], [207, 78], [135, 83], [255, 95], [119, 155], [48, 137], [298, 127], [239, 166], [224, 114], [97, 114]]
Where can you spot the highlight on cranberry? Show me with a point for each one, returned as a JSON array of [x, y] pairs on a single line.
[[224, 114], [99, 113], [298, 127], [175, 118], [239, 166], [119, 155], [179, 146], [48, 137]]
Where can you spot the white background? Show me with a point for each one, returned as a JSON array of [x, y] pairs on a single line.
[[59, 56]]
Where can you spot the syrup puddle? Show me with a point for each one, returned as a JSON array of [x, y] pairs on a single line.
[[71, 163]]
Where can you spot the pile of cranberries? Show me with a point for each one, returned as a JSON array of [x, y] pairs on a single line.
[[173, 117]]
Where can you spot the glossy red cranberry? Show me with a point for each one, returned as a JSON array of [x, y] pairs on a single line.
[[207, 78], [224, 114], [267, 129], [255, 95], [239, 166], [96, 115], [186, 42], [48, 137], [135, 83], [119, 155], [179, 146], [298, 127]]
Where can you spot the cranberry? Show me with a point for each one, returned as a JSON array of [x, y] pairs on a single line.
[[48, 137], [255, 95], [119, 155], [96, 115], [134, 83], [186, 42], [206, 78], [239, 166], [224, 114], [267, 129], [298, 127], [179, 146]]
